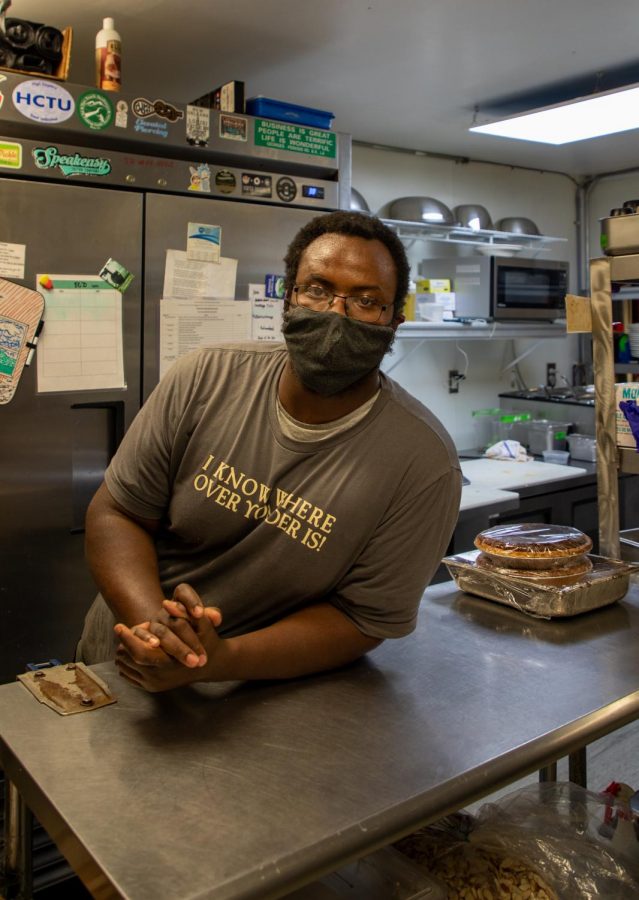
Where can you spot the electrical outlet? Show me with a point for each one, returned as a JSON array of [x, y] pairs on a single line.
[[551, 375], [453, 381]]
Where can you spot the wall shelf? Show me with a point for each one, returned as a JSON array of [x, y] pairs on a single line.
[[509, 242], [460, 331]]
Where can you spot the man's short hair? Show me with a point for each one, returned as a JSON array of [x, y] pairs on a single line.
[[353, 224]]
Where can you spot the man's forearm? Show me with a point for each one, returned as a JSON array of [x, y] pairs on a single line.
[[122, 558], [314, 639]]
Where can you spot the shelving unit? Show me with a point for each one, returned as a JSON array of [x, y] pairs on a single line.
[[604, 271], [455, 234], [460, 331], [496, 241]]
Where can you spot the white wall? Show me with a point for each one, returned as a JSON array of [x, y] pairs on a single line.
[[547, 199]]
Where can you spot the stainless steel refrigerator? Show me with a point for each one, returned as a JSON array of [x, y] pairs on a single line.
[[54, 447]]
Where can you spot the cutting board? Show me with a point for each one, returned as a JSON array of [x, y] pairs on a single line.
[[505, 474], [489, 499]]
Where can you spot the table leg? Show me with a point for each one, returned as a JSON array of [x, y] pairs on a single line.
[[17, 873], [577, 770], [548, 773]]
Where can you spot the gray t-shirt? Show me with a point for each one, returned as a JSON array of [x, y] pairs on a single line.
[[262, 525]]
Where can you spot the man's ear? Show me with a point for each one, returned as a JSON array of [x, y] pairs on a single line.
[[397, 321]]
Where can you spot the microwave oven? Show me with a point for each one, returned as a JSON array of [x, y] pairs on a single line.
[[503, 288]]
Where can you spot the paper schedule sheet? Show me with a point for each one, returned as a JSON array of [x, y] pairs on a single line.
[[186, 325], [81, 344], [189, 278]]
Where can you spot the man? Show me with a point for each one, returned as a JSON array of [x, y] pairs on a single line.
[[276, 510]]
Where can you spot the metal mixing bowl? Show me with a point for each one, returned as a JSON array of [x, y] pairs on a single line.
[[419, 209], [358, 203], [517, 225], [471, 215]]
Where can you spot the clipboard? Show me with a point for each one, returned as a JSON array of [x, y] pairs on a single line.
[[21, 321]]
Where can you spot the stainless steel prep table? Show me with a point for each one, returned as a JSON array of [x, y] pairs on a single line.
[[248, 791]]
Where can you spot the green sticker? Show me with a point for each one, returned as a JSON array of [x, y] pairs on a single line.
[[70, 164], [95, 110], [603, 241], [295, 138]]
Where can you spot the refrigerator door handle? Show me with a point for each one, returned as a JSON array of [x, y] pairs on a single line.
[[97, 431]]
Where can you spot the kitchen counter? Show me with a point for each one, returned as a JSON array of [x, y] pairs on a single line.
[[498, 486], [233, 792]]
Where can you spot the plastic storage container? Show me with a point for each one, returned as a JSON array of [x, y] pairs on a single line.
[[485, 424], [289, 112], [544, 434], [559, 457], [582, 446], [514, 426]]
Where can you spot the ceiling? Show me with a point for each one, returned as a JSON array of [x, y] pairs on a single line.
[[401, 73]]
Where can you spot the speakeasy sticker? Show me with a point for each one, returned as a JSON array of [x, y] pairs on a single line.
[[72, 163], [95, 110], [45, 102]]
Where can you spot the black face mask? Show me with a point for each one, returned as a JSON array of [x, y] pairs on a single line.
[[330, 352]]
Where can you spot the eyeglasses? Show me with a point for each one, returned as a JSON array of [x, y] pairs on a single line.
[[356, 306]]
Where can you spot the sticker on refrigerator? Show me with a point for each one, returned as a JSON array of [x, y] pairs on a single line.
[[121, 114], [95, 110], [200, 178], [21, 313], [143, 108], [203, 242], [116, 275], [12, 260], [12, 336], [225, 181], [233, 128], [198, 125], [274, 286], [257, 185], [71, 164], [10, 155], [157, 129], [1, 99], [44, 102]]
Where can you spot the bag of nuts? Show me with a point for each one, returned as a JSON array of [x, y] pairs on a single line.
[[545, 842]]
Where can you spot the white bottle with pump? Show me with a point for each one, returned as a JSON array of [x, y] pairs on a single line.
[[108, 57]]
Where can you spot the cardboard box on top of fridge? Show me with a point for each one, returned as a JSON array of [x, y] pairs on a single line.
[[625, 391], [432, 285]]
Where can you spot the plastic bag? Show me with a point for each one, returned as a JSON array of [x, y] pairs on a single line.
[[548, 841]]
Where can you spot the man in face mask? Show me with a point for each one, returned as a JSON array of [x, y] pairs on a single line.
[[276, 510]]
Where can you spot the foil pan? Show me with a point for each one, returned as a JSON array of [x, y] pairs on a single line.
[[607, 582]]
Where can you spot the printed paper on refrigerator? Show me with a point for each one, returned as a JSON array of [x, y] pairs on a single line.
[[81, 344]]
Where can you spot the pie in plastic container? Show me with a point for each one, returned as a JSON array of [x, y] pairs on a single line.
[[533, 545], [544, 596]]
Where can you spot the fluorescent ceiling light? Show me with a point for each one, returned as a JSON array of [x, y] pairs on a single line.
[[575, 120]]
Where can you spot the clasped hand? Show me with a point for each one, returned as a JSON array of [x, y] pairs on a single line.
[[179, 645]]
